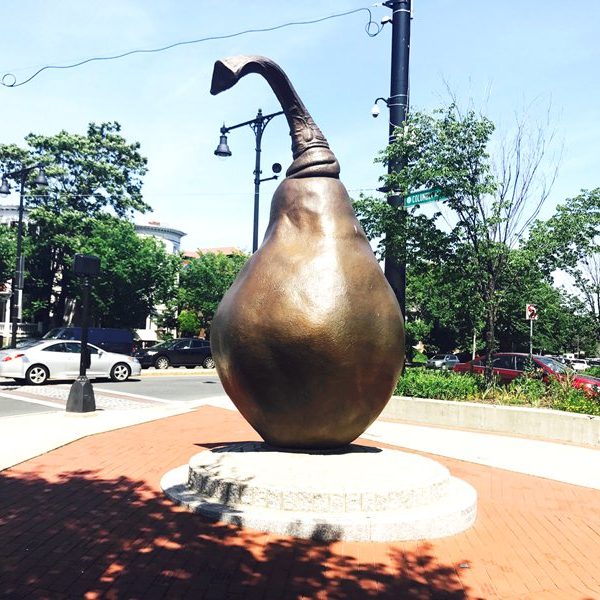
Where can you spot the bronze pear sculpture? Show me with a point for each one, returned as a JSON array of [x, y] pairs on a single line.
[[309, 340]]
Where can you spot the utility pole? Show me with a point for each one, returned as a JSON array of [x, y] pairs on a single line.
[[395, 266]]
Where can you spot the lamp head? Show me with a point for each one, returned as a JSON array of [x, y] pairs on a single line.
[[4, 188], [41, 178], [223, 148]]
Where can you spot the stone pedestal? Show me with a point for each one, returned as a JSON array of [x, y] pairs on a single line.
[[356, 493]]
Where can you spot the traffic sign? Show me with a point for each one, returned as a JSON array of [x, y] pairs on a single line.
[[423, 196], [531, 312]]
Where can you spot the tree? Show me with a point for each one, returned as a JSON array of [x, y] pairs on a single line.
[[188, 323], [137, 273], [570, 241], [491, 207], [7, 253], [89, 176], [204, 281]]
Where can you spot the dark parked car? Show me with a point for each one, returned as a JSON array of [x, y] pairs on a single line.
[[180, 352], [510, 365]]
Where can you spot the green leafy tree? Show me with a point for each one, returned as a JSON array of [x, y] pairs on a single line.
[[7, 253], [570, 241], [188, 323], [137, 273], [492, 204], [89, 176], [204, 281]]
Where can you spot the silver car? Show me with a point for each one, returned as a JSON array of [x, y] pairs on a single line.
[[56, 359], [442, 361]]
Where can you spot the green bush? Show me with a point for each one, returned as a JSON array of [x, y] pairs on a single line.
[[442, 385], [528, 390], [565, 397], [419, 357], [593, 371]]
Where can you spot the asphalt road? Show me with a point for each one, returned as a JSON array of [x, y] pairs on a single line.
[[147, 390]]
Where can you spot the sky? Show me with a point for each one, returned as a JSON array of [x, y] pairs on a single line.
[[504, 59]]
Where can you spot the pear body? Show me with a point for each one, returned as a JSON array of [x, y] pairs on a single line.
[[309, 341]]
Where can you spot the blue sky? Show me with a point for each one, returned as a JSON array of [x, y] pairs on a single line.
[[501, 57]]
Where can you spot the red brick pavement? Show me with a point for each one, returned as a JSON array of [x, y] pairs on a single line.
[[89, 521]]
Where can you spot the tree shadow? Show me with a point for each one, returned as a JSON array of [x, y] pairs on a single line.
[[79, 535]]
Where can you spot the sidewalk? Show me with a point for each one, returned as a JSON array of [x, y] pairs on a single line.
[[89, 520]]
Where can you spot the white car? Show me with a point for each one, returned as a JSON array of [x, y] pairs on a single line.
[[579, 364], [56, 359]]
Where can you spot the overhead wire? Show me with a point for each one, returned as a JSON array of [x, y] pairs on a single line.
[[371, 28]]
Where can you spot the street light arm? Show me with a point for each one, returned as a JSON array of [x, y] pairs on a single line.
[[312, 156], [23, 172], [251, 122]]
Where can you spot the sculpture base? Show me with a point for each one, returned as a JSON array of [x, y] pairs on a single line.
[[357, 493]]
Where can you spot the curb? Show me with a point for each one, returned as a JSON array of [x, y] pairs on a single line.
[[177, 372], [540, 423]]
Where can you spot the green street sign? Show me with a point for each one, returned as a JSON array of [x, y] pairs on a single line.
[[423, 196]]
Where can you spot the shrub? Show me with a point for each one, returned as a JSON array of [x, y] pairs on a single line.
[[442, 385], [419, 357], [565, 397], [527, 390], [593, 371]]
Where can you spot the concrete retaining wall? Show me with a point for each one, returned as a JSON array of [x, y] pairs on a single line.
[[531, 422]]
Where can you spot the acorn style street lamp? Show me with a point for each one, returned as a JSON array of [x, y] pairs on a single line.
[[18, 278], [258, 126]]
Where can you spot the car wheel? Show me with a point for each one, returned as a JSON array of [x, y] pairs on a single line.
[[120, 372], [162, 362], [208, 363], [36, 375]]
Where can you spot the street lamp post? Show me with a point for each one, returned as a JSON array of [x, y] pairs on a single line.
[[18, 278], [395, 266], [257, 125]]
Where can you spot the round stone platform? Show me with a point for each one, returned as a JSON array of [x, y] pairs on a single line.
[[357, 493]]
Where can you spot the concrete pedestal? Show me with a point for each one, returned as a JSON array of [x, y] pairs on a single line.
[[356, 493]]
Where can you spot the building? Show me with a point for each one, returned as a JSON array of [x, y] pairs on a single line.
[[170, 236]]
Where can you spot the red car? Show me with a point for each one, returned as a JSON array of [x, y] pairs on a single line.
[[510, 365]]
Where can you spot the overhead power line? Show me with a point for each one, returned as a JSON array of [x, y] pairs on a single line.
[[371, 28]]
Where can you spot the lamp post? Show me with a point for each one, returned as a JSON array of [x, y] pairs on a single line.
[[257, 125], [18, 278], [395, 266]]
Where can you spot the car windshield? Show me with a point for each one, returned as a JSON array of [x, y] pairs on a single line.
[[58, 334], [439, 357], [28, 343], [554, 365], [163, 345]]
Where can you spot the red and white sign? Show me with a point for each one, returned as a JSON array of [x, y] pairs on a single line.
[[531, 312]]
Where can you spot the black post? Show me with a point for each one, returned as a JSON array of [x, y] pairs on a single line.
[[17, 286], [258, 128], [85, 357], [258, 125], [395, 266], [81, 396]]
